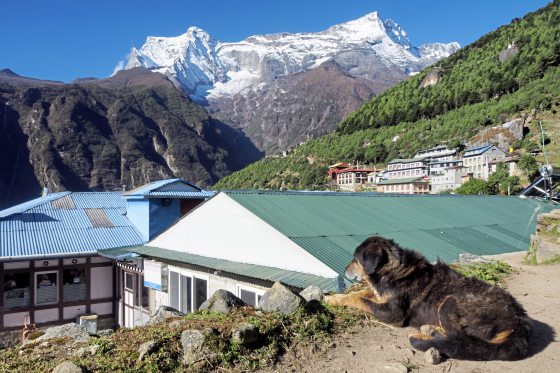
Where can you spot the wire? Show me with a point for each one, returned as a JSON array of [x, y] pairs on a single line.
[[542, 136]]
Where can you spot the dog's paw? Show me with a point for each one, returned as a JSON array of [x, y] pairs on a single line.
[[334, 300]]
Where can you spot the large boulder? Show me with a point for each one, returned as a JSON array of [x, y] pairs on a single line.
[[222, 301], [71, 330], [197, 347], [280, 299], [312, 292], [163, 313], [245, 334], [67, 367]]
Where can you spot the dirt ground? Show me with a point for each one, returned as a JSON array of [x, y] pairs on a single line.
[[384, 349]]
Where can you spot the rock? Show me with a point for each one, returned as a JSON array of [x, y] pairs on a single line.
[[146, 349], [432, 356], [105, 332], [280, 299], [312, 292], [195, 346], [67, 367], [163, 313], [544, 250], [177, 323], [432, 78], [467, 258], [71, 330], [395, 367], [245, 334], [84, 351], [222, 301]]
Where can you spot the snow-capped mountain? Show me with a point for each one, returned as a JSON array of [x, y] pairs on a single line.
[[208, 69]]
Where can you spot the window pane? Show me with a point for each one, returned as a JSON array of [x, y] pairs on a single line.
[[186, 291], [247, 297], [174, 290], [129, 281], [47, 290], [145, 295], [74, 284], [16, 290], [200, 292]]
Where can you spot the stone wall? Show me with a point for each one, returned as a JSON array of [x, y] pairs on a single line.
[[545, 243]]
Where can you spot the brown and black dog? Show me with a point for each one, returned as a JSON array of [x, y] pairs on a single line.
[[471, 319]]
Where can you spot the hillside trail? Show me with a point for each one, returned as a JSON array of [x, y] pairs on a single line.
[[374, 348]]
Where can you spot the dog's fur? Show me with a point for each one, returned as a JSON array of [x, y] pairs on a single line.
[[471, 319]]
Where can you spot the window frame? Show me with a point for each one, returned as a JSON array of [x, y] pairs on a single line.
[[258, 292], [36, 283]]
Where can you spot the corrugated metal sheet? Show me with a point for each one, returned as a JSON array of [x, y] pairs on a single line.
[[296, 279], [39, 229], [65, 202], [170, 188], [98, 218], [331, 225], [181, 194], [17, 209]]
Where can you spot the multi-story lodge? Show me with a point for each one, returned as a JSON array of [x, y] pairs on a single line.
[[477, 160], [446, 174]]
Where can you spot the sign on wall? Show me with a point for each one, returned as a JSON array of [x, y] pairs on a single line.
[[155, 275]]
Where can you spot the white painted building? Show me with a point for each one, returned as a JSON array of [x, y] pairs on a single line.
[[446, 175]]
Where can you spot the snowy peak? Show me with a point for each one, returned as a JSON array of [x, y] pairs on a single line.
[[208, 69], [396, 33]]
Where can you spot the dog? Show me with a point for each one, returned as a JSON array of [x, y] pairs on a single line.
[[466, 318]]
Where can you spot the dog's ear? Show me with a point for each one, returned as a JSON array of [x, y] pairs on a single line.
[[369, 262]]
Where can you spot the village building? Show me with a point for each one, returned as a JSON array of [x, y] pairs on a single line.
[[408, 168], [405, 185], [446, 175], [244, 241], [49, 264], [477, 160], [440, 153]]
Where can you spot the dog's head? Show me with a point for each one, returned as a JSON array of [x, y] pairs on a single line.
[[369, 257]]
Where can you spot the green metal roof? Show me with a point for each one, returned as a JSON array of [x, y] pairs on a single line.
[[403, 180], [291, 278], [330, 225]]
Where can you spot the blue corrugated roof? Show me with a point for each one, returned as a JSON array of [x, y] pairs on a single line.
[[169, 188], [51, 226], [478, 150], [18, 209]]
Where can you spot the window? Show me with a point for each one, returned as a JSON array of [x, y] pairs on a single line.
[[74, 284], [200, 292], [249, 295], [46, 287], [183, 296], [129, 281], [16, 289]]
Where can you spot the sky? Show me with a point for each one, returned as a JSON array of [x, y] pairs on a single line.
[[67, 39]]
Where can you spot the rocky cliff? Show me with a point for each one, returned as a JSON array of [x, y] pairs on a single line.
[[109, 134]]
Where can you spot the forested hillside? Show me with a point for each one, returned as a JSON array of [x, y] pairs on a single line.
[[476, 90]]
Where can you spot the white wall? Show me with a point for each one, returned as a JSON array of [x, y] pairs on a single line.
[[215, 282], [221, 228], [101, 282]]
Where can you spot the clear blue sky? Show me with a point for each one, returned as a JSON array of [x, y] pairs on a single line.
[[66, 39]]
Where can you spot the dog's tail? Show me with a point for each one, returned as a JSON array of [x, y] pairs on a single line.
[[466, 347]]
